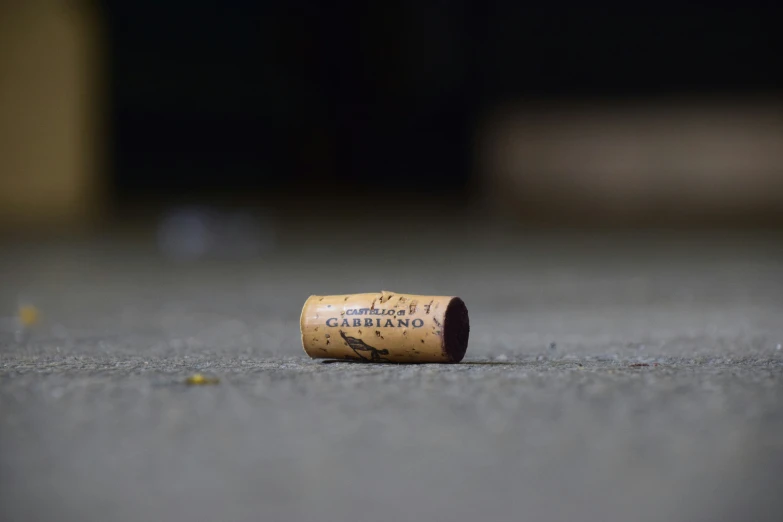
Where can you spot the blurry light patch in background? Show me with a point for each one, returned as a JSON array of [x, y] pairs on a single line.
[[190, 233], [691, 161]]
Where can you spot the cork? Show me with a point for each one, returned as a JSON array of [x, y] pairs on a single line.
[[385, 327]]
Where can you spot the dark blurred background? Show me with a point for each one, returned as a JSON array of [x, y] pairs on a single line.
[[559, 113]]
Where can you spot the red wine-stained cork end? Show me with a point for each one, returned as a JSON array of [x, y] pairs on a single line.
[[456, 330]]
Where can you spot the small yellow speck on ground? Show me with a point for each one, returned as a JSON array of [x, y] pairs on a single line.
[[28, 315], [198, 379]]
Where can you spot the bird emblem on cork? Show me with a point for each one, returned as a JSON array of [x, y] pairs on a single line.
[[384, 327]]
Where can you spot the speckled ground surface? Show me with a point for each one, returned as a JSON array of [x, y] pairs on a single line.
[[623, 377]]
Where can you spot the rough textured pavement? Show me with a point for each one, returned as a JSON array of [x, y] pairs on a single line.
[[548, 419]]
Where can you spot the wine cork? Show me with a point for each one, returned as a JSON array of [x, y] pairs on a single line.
[[385, 327]]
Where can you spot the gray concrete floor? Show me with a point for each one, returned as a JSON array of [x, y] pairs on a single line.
[[547, 419]]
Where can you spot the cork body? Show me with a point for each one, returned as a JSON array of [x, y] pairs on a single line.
[[385, 327]]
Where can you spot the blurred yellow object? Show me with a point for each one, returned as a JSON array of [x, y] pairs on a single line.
[[51, 113], [28, 315], [198, 379]]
